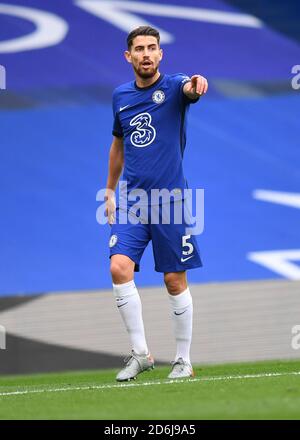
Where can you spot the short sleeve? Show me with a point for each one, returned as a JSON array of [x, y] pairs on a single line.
[[183, 79], [117, 128]]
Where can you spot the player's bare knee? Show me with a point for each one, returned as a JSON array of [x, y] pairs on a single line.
[[121, 272], [175, 284]]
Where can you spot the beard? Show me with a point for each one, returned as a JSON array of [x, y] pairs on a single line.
[[142, 73]]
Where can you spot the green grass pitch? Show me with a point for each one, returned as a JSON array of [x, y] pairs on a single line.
[[263, 390]]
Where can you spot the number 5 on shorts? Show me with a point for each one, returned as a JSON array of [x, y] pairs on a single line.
[[186, 244]]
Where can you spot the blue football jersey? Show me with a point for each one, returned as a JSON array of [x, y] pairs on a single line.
[[152, 122]]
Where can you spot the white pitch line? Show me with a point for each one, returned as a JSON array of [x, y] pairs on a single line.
[[143, 384]]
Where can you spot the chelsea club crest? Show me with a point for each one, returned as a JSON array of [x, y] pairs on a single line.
[[113, 240], [158, 96]]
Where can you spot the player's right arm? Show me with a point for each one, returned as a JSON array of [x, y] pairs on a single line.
[[115, 167]]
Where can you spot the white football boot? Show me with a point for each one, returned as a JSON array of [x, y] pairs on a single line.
[[181, 369], [135, 364]]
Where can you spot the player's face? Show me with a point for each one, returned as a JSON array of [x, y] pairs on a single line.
[[144, 55]]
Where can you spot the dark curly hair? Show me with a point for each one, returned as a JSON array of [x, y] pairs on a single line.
[[142, 30]]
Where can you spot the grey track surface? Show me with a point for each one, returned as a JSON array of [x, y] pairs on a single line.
[[239, 321]]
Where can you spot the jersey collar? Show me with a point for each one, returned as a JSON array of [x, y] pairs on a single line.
[[159, 79]]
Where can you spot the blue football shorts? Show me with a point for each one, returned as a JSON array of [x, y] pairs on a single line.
[[174, 250]]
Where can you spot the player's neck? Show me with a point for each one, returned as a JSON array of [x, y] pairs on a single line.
[[146, 82]]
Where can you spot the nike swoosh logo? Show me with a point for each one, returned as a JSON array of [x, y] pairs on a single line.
[[185, 259], [122, 305], [179, 313], [123, 108]]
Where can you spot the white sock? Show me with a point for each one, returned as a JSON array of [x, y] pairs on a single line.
[[182, 314], [130, 306]]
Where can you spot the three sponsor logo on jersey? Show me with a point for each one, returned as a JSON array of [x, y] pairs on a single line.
[[144, 133]]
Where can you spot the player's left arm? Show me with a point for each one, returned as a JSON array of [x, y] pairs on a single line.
[[196, 87]]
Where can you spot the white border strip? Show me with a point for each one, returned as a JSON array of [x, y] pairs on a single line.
[[143, 384]]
